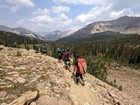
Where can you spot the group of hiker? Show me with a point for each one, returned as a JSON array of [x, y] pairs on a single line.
[[78, 62], [43, 47]]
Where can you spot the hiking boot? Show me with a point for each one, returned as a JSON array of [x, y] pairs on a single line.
[[77, 81], [83, 83]]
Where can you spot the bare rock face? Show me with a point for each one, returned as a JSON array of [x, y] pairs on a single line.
[[35, 79], [2, 94], [126, 24], [46, 100], [26, 98]]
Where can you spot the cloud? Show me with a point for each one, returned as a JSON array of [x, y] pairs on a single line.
[[42, 18], [63, 16], [84, 17], [3, 6], [46, 22], [95, 14], [54, 9], [20, 22], [24, 23], [111, 10], [81, 2], [123, 12], [17, 4], [101, 10], [122, 4], [128, 12], [59, 9], [48, 19], [41, 11]]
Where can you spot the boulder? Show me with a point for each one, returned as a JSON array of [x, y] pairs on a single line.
[[21, 80], [26, 98], [2, 94], [46, 100]]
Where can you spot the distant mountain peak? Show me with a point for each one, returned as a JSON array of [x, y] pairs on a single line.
[[57, 31], [20, 27], [125, 16], [19, 30], [55, 35], [117, 25]]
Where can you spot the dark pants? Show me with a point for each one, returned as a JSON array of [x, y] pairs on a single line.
[[59, 57], [79, 78], [79, 75]]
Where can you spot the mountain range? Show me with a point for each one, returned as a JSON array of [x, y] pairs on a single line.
[[20, 31], [106, 29], [125, 24], [122, 25], [55, 35]]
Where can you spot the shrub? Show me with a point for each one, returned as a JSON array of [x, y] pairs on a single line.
[[27, 47], [18, 53], [98, 69], [120, 87]]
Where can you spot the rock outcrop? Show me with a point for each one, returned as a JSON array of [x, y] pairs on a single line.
[[35, 79]]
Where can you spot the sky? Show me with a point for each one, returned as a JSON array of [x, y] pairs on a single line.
[[51, 15]]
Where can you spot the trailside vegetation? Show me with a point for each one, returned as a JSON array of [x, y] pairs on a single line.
[[124, 50]]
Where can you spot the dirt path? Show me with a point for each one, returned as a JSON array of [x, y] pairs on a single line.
[[84, 95]]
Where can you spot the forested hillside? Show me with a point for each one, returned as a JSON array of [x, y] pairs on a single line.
[[92, 37], [7, 39], [124, 50]]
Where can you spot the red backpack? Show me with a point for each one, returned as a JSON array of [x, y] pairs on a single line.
[[82, 65], [66, 55]]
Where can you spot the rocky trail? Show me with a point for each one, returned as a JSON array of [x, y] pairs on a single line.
[[29, 78]]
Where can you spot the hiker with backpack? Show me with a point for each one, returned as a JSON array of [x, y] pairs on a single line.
[[67, 59], [43, 49], [15, 44], [71, 59], [60, 52], [80, 67]]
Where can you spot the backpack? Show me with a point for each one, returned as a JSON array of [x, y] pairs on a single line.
[[60, 52], [82, 65], [66, 55]]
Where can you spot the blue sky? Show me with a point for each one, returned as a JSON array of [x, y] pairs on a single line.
[[50, 15]]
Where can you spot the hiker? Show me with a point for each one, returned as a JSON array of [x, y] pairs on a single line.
[[71, 59], [43, 49], [67, 59], [80, 67], [15, 44], [60, 52]]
